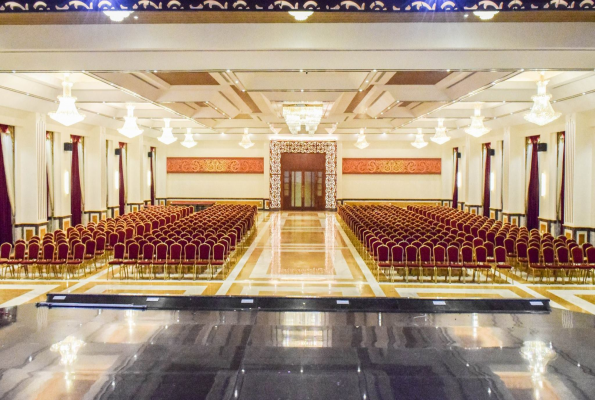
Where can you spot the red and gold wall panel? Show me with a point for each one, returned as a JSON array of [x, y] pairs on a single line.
[[215, 165], [431, 166]]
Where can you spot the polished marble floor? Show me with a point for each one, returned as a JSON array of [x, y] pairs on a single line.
[[53, 354], [301, 254]]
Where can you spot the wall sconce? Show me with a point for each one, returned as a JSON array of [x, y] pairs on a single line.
[[149, 178], [492, 181], [458, 179], [542, 182], [66, 182], [117, 180]]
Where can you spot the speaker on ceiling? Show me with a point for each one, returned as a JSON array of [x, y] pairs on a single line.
[[541, 147], [491, 152], [118, 152], [68, 146], [150, 154]]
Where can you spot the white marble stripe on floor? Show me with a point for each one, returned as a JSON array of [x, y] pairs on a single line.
[[231, 277], [188, 290], [414, 292], [34, 291], [255, 290], [85, 281], [571, 297], [378, 292]]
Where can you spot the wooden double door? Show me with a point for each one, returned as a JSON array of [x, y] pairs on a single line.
[[303, 177]]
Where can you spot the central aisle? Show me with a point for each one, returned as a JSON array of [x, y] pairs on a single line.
[[301, 253]]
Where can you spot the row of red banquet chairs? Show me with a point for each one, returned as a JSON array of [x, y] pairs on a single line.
[[370, 244]]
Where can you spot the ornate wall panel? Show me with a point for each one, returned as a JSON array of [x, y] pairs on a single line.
[[392, 166], [281, 146], [212, 165]]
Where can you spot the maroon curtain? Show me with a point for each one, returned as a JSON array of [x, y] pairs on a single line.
[[563, 183], [455, 190], [152, 176], [76, 200], [122, 194], [5, 209], [533, 190], [486, 180]]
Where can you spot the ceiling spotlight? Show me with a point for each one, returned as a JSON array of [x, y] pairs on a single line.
[[419, 141], [246, 143], [67, 113], [477, 128], [130, 128], [136, 17], [361, 143], [167, 137], [301, 15], [440, 136], [118, 16], [485, 15], [188, 139]]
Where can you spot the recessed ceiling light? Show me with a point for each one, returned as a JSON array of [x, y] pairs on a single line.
[[155, 71], [301, 70], [228, 71], [373, 70], [243, 90], [367, 81], [237, 81], [448, 70], [14, 71], [136, 17], [302, 90], [360, 90]]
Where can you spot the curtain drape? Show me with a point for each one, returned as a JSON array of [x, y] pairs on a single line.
[[486, 179], [533, 186], [152, 161], [561, 176], [49, 162], [455, 190], [6, 209], [122, 184], [76, 196]]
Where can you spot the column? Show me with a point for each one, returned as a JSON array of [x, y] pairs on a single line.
[[30, 177], [161, 175], [473, 174], [513, 183], [547, 183], [134, 178], [95, 190]]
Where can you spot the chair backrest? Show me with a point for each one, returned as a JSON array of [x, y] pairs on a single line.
[[452, 253], [521, 249], [219, 252], [133, 251], [175, 252], [481, 254], [439, 254], [425, 254], [5, 250], [190, 252], [63, 250], [90, 247], [467, 254], [48, 251], [563, 255], [161, 251], [383, 253], [33, 251], [577, 255], [148, 252], [78, 253], [397, 253], [591, 255], [411, 253], [119, 251], [100, 242], [533, 255]]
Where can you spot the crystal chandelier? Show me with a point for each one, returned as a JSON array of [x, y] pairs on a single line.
[[188, 139], [332, 129], [246, 143], [361, 140], [542, 112], [307, 115], [440, 136], [167, 137], [419, 141], [67, 113], [477, 128], [130, 128], [274, 130]]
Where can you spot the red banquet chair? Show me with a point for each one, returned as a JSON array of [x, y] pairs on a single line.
[[383, 259], [175, 258]]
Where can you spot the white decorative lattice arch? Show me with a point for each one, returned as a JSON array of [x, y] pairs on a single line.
[[329, 148]]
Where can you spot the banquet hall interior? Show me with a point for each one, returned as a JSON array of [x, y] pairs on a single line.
[[360, 201]]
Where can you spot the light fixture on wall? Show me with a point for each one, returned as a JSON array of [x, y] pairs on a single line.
[[274, 130], [117, 180], [117, 16], [130, 128], [361, 143], [301, 15], [485, 15], [477, 128], [188, 139], [419, 141], [440, 136], [66, 182], [67, 114], [246, 143], [459, 179], [149, 178], [542, 112], [331, 130], [167, 137], [492, 181]]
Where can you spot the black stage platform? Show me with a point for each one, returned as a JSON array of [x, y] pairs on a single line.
[[84, 353]]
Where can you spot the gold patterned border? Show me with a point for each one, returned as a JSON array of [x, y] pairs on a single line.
[[329, 148], [410, 166], [215, 165]]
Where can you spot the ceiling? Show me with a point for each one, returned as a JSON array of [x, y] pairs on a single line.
[[381, 101]]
